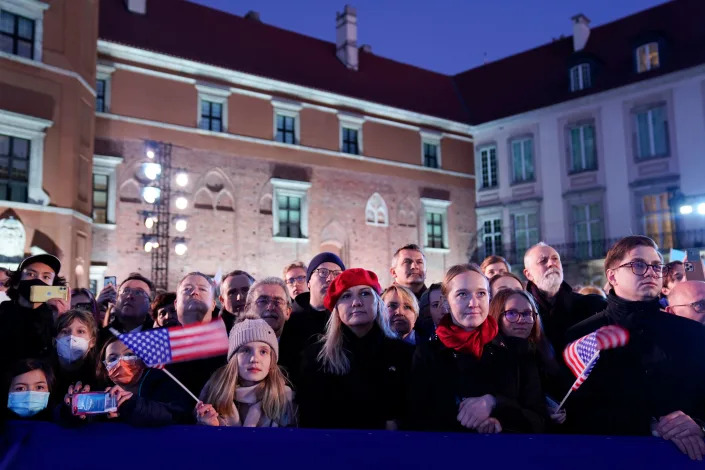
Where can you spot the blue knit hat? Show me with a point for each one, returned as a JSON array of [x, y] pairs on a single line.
[[319, 259]]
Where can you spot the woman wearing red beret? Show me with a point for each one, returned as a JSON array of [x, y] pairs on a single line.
[[469, 378], [356, 376]]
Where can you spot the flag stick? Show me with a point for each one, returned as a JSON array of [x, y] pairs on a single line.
[[181, 385], [587, 368]]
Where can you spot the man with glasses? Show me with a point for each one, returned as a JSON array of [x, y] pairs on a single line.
[[559, 307], [656, 383], [269, 300], [687, 300], [310, 316], [295, 279], [131, 312]]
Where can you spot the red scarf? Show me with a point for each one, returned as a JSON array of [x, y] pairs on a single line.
[[460, 340]]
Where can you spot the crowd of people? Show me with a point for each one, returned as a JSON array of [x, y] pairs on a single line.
[[326, 346]]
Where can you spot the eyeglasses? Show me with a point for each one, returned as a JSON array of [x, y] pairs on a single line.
[[698, 306], [112, 364], [513, 316], [134, 292], [323, 273], [296, 280], [640, 268], [264, 301]]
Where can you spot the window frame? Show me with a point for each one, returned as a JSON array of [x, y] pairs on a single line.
[[107, 165], [32, 10], [24, 184], [107, 194], [290, 188], [352, 122], [481, 150], [590, 243], [526, 213], [431, 138], [33, 129], [104, 72], [580, 84], [648, 109], [439, 207], [382, 207], [213, 94], [522, 139], [646, 47], [288, 109], [581, 125], [493, 235]]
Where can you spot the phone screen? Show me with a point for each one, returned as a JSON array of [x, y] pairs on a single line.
[[94, 403], [110, 280], [694, 266]]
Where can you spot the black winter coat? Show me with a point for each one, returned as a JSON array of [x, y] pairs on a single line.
[[659, 371], [305, 326], [369, 395], [24, 333], [442, 378], [568, 309]]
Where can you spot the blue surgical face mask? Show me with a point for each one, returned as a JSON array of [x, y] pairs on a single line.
[[27, 403], [72, 348]]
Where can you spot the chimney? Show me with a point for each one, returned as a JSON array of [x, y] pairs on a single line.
[[366, 48], [346, 37], [581, 31], [253, 16], [137, 6]]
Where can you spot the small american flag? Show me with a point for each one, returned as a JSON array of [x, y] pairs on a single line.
[[581, 355], [180, 343]]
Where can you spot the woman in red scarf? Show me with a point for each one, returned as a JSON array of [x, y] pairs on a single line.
[[466, 378]]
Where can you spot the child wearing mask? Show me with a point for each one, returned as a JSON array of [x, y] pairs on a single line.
[[75, 347], [145, 396], [29, 391], [250, 391]]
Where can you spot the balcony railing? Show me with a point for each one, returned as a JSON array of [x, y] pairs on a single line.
[[597, 249]]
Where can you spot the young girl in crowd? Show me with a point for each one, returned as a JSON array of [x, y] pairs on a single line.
[[249, 391], [29, 388], [466, 377], [356, 376], [75, 349], [83, 299], [145, 396], [402, 310]]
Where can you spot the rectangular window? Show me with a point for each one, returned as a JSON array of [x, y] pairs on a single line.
[[488, 161], [430, 155], [526, 231], [522, 160], [647, 57], [100, 199], [14, 168], [658, 219], [286, 129], [16, 35], [100, 96], [211, 116], [350, 141], [582, 148], [434, 230], [589, 231], [580, 77], [289, 216], [492, 237], [651, 133]]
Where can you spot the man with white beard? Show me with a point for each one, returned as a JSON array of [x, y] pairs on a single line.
[[559, 307]]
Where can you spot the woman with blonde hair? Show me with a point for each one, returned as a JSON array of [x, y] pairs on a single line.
[[356, 376], [250, 391], [402, 312]]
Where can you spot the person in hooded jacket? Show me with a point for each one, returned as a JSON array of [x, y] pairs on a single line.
[[468, 378], [355, 377]]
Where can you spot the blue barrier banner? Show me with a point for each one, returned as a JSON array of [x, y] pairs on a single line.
[[35, 445]]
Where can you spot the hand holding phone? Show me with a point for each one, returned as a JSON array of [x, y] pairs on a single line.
[[693, 266]]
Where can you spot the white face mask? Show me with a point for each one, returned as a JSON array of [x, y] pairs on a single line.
[[72, 348]]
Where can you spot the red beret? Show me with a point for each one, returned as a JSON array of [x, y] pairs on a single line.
[[347, 279]]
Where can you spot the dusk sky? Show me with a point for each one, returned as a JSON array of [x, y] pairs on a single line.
[[447, 36]]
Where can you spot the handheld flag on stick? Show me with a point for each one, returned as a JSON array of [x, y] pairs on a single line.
[[180, 343], [581, 355]]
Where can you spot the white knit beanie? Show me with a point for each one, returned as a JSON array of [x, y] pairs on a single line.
[[250, 330]]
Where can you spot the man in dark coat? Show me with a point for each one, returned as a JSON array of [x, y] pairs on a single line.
[[308, 320], [656, 383], [559, 307], [233, 294]]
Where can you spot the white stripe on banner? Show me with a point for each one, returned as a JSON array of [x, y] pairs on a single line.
[[194, 330], [200, 349], [201, 339]]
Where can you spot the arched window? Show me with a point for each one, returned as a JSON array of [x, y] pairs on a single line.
[[376, 211]]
